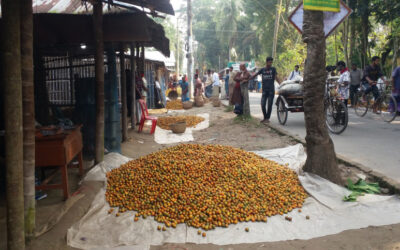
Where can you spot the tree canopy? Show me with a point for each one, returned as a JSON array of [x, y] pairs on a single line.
[[228, 30]]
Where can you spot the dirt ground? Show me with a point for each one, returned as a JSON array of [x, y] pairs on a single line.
[[225, 130]]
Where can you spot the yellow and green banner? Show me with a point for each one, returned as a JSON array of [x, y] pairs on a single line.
[[322, 5]]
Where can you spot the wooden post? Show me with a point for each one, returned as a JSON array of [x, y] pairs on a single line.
[[142, 59], [123, 94], [190, 47], [99, 72], [133, 82], [11, 58], [28, 115]]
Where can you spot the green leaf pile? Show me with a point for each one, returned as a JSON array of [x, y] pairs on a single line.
[[360, 188]]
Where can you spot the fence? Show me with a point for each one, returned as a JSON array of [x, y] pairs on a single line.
[[62, 71]]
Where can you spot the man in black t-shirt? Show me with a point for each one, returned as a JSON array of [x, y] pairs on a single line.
[[372, 73], [269, 75]]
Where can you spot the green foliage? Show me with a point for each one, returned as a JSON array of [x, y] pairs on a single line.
[[291, 55], [360, 188], [248, 28]]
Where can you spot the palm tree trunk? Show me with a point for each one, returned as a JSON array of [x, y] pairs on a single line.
[[99, 72], [11, 57], [321, 159], [28, 115]]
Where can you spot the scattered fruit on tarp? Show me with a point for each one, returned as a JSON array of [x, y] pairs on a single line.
[[191, 121], [204, 186], [307, 217], [247, 229], [288, 218], [175, 105]]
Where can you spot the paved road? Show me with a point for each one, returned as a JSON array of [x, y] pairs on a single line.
[[367, 140]]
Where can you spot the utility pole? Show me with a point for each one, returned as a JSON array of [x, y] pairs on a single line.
[[177, 47], [276, 30], [190, 46]]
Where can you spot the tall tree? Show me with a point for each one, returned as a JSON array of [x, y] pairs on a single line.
[[321, 157], [11, 61], [227, 21], [28, 114]]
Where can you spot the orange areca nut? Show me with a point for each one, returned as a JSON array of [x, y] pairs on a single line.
[[191, 121], [204, 186], [174, 105]]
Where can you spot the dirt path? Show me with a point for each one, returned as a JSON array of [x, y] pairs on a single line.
[[224, 130]]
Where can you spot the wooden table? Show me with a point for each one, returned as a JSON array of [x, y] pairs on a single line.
[[59, 151]]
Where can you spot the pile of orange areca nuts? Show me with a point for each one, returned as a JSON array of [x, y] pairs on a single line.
[[174, 105], [191, 120], [204, 186]]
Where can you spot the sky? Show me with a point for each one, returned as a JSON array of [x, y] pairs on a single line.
[[177, 3]]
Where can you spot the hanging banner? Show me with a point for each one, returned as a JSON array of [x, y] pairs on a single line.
[[322, 5]]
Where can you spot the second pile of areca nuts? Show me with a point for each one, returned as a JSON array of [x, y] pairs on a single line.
[[204, 186]]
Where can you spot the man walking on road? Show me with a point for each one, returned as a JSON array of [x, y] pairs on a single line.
[[355, 81], [269, 75]]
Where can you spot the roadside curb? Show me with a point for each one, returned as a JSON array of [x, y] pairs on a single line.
[[384, 181]]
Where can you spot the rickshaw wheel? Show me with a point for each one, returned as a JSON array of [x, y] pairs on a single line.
[[282, 111]]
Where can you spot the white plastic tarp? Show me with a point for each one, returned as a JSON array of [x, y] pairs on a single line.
[[163, 136], [328, 215]]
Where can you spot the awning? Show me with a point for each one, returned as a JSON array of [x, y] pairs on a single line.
[[66, 32], [163, 6]]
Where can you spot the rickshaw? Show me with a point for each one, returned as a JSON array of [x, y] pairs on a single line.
[[336, 111]]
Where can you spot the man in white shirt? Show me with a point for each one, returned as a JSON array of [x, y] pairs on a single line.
[[295, 72], [344, 82], [216, 84]]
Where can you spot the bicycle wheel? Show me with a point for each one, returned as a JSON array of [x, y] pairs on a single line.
[[388, 108], [282, 112], [337, 117], [361, 104]]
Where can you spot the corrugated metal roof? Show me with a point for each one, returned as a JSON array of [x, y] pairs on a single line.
[[79, 7], [157, 56]]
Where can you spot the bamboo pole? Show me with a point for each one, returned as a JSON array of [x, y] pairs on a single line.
[[28, 115], [123, 94], [11, 57], [99, 75]]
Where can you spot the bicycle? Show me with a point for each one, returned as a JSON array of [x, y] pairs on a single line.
[[337, 116], [385, 104]]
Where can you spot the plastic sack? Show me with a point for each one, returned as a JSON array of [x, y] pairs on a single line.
[[290, 88]]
